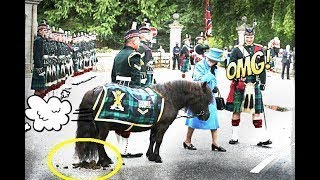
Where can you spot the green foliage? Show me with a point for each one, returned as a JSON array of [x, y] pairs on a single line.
[[288, 23], [215, 42], [111, 18], [104, 50]]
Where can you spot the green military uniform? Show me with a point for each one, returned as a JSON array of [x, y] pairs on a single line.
[[127, 63], [237, 53], [38, 76], [199, 50], [146, 56], [245, 93]]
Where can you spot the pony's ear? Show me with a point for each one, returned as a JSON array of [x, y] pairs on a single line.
[[204, 86]]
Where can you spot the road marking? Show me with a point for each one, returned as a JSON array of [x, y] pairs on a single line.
[[263, 164]]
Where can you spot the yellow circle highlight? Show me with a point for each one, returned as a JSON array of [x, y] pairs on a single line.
[[58, 146]]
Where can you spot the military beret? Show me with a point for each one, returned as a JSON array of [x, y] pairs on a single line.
[[145, 28], [200, 36], [42, 25], [249, 31], [131, 33]]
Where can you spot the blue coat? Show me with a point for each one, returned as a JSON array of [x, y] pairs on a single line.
[[202, 73]]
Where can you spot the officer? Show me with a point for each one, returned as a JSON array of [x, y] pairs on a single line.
[[245, 93], [127, 65], [126, 71], [38, 83], [146, 54]]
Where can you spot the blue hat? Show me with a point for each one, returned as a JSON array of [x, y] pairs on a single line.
[[214, 54]]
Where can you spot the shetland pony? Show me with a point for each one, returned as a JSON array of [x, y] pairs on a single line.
[[173, 95]]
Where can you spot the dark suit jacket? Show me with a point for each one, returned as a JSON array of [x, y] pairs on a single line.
[[286, 57]]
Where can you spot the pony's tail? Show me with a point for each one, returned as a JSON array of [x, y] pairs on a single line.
[[86, 128]]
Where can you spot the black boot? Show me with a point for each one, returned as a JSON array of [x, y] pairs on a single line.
[[264, 143]]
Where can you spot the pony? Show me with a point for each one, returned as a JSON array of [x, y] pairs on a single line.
[[173, 95]]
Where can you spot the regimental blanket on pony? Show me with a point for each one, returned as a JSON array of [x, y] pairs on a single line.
[[134, 109]]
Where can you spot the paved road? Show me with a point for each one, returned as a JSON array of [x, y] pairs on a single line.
[[273, 162]]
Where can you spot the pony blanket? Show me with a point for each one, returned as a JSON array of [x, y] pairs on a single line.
[[138, 108]]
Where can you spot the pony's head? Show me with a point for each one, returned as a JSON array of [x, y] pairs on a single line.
[[200, 104]]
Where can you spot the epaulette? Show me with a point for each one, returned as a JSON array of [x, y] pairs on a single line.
[[257, 44], [131, 55]]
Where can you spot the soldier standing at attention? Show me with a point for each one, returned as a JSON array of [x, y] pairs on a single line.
[[38, 83], [126, 71], [185, 56], [245, 92], [146, 54]]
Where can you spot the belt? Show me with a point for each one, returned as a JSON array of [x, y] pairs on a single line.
[[123, 80]]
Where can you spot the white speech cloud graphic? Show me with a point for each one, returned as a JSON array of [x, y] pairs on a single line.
[[49, 115], [27, 127]]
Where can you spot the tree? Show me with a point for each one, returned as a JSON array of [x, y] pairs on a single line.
[[110, 18]]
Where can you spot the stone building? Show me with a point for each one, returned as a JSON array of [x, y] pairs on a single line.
[[30, 32]]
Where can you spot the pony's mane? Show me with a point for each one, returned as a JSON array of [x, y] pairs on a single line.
[[180, 87]]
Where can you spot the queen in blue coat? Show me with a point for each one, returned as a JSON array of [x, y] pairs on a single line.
[[205, 71]]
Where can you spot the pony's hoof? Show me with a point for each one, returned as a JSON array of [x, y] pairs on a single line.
[[148, 154], [109, 161], [158, 159], [104, 163], [151, 157]]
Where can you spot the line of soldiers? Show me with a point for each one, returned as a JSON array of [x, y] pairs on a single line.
[[58, 55]]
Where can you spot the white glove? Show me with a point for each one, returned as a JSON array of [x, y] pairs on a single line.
[[40, 72]]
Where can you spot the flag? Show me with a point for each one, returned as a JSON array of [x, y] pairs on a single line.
[[208, 19]]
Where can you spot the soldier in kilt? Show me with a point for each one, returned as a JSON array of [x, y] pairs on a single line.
[[146, 54], [245, 93], [185, 57], [75, 59], [38, 83], [126, 71]]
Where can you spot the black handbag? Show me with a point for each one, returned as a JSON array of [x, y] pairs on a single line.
[[221, 105]]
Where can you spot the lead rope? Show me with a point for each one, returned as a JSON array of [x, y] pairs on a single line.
[[195, 115], [125, 149]]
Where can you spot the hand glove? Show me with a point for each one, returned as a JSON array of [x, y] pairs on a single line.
[[262, 87], [213, 68], [215, 89]]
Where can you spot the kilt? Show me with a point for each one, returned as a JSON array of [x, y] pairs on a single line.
[[239, 97], [38, 82], [185, 66], [75, 67]]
